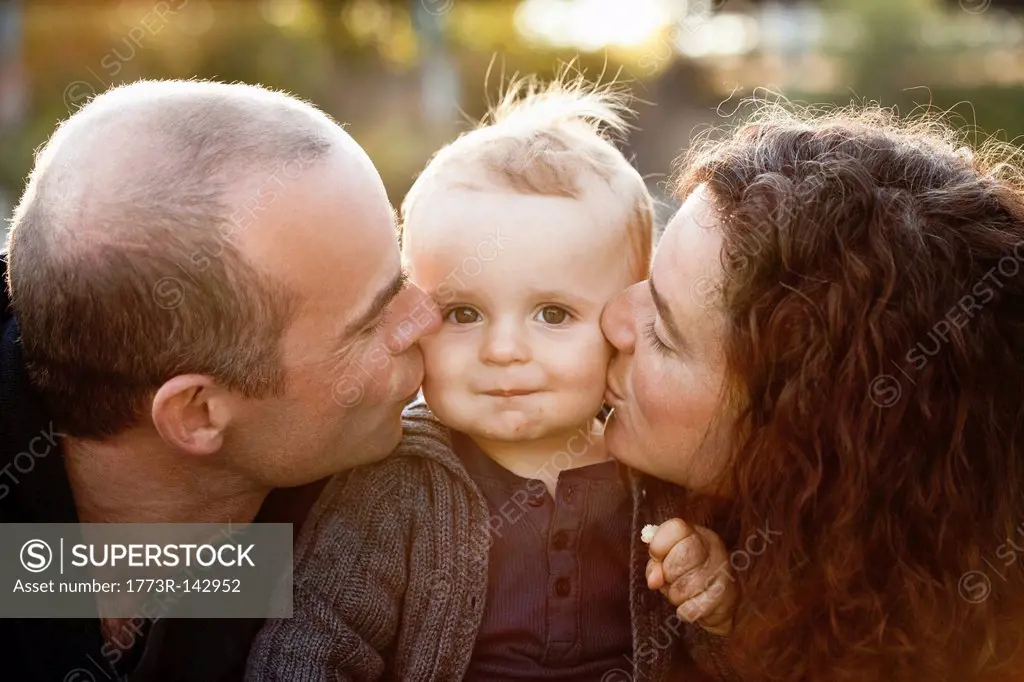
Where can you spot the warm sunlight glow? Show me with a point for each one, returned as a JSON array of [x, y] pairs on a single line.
[[722, 34], [290, 15], [592, 24]]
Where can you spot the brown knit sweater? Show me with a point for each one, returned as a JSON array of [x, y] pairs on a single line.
[[391, 577]]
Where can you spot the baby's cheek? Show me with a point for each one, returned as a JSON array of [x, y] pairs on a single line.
[[443, 401], [433, 364], [436, 380], [598, 354], [444, 358], [585, 368], [442, 370]]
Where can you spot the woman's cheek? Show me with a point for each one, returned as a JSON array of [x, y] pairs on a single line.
[[651, 389]]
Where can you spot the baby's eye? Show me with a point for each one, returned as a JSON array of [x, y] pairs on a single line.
[[462, 315], [551, 314]]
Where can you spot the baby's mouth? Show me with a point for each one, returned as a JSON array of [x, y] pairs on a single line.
[[509, 393]]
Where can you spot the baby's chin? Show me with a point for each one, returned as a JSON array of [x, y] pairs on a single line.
[[510, 428], [505, 425]]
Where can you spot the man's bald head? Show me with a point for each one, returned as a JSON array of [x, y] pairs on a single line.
[[124, 264], [135, 146]]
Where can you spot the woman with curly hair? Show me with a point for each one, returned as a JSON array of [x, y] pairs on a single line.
[[829, 354]]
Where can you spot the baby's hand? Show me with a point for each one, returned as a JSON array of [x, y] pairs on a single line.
[[690, 566]]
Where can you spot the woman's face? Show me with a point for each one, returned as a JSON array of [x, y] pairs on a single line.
[[666, 378]]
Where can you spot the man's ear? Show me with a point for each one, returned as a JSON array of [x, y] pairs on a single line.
[[191, 413]]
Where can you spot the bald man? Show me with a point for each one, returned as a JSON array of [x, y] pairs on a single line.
[[204, 303]]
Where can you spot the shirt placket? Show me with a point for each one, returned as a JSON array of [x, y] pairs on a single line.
[[564, 577]]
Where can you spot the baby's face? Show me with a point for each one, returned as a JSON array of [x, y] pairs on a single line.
[[521, 281]]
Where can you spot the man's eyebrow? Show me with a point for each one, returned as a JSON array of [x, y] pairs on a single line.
[[380, 302], [666, 314]]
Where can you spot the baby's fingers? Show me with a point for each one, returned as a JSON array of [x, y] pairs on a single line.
[[655, 574], [715, 623], [713, 608], [668, 535], [688, 558]]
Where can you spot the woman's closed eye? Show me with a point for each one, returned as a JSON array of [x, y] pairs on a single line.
[[655, 340], [462, 315], [553, 315]]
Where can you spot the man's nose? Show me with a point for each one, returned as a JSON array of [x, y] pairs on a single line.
[[618, 320], [421, 319], [431, 315]]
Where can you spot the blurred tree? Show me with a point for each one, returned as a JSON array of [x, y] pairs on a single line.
[[894, 62], [361, 60], [374, 66], [889, 39]]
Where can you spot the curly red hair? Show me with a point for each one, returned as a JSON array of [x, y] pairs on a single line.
[[875, 343]]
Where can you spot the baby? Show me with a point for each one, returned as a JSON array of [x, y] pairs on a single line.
[[501, 540]]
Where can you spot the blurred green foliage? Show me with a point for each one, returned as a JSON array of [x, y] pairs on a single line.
[[895, 64], [359, 60], [363, 62]]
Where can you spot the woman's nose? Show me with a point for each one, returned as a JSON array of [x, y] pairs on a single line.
[[618, 322]]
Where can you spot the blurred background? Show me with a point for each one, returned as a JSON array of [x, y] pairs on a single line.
[[406, 76]]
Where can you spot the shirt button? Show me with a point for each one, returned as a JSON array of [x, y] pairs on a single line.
[[562, 587], [560, 541], [567, 494], [535, 501]]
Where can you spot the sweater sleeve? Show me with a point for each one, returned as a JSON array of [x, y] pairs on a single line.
[[349, 580]]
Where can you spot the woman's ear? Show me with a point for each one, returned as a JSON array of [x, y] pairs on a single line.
[[191, 413]]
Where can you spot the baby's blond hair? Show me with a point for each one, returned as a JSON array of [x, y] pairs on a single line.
[[541, 139]]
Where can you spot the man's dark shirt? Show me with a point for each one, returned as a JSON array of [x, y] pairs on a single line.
[[558, 573], [45, 650]]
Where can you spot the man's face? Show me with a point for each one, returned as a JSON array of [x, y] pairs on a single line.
[[350, 353], [521, 281]]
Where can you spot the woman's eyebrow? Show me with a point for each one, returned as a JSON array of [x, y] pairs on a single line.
[[665, 313]]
